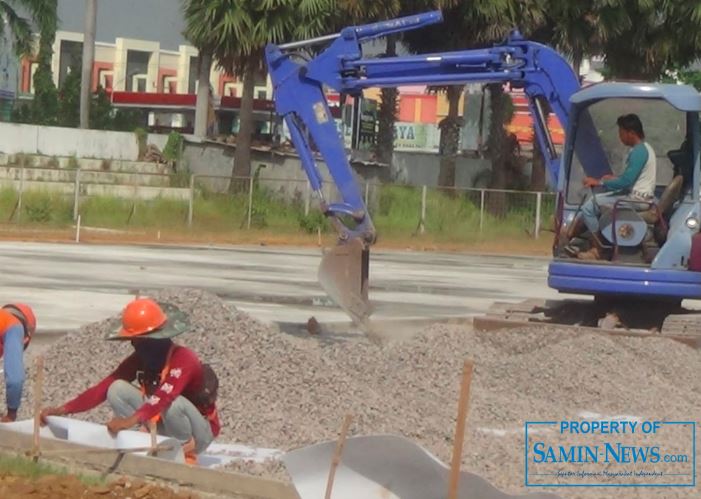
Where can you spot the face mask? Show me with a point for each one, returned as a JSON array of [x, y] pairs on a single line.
[[152, 352]]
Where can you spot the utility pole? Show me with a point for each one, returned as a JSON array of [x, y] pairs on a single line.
[[88, 58]]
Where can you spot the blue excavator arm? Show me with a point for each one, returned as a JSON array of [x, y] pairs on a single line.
[[299, 91]]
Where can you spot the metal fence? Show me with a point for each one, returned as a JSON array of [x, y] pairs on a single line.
[[59, 197]]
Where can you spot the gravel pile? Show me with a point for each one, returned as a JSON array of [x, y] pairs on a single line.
[[282, 391]]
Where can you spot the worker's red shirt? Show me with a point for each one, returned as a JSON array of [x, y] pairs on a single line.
[[184, 377]]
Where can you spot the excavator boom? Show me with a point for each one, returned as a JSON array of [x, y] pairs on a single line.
[[300, 82]]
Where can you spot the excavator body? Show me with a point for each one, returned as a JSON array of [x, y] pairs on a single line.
[[648, 246]]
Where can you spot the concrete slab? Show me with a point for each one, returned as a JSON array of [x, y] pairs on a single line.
[[222, 483], [71, 285], [64, 175]]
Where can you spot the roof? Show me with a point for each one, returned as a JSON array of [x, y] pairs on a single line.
[[683, 97]]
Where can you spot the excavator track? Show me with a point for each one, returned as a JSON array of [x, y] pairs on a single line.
[[601, 317]]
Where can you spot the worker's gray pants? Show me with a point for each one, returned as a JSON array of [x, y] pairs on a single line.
[[591, 209], [181, 420]]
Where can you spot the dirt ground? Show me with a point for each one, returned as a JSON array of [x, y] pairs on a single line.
[[522, 246], [70, 487]]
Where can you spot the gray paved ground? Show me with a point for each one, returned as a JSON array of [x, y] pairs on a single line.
[[72, 284]]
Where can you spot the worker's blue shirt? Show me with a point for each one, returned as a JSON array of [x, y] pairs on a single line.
[[635, 162], [13, 343]]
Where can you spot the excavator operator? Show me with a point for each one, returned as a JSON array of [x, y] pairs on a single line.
[[636, 183]]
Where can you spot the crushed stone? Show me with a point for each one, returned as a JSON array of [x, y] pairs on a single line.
[[284, 391]]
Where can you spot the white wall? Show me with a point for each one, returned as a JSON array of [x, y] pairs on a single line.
[[58, 141]]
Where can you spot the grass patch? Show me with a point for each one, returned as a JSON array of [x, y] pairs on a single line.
[[460, 217], [8, 201], [22, 467], [115, 213], [454, 216]]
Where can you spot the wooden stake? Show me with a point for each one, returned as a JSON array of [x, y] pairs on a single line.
[[463, 405], [38, 391], [154, 440], [337, 454]]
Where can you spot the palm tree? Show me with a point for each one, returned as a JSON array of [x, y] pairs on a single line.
[[577, 28], [366, 11], [45, 103], [235, 32], [19, 27], [470, 25], [43, 15], [651, 37], [639, 39]]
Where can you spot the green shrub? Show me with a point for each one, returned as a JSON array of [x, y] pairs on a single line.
[[310, 223], [171, 151]]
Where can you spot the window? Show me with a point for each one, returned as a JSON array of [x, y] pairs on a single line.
[[33, 69], [261, 78], [170, 84], [137, 69], [138, 83], [192, 75], [70, 58], [230, 89], [105, 79], [664, 127]]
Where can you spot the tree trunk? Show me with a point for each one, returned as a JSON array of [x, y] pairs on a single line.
[[538, 168], [496, 202], [202, 105], [538, 176], [88, 58], [450, 138], [242, 158], [387, 113], [577, 63]]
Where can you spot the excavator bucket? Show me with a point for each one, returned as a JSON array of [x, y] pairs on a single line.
[[343, 274]]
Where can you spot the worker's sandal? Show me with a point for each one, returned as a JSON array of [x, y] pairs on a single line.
[[571, 250], [592, 254], [189, 451]]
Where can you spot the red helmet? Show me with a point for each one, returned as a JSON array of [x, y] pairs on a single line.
[[26, 316], [141, 316]]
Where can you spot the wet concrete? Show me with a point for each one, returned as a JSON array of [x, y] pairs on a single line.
[[71, 284]]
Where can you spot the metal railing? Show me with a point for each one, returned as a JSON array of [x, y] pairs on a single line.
[[221, 203]]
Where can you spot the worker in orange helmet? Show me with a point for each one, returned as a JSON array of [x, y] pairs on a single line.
[[17, 326], [173, 388]]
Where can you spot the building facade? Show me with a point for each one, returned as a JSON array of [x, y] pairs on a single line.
[[144, 62], [140, 49]]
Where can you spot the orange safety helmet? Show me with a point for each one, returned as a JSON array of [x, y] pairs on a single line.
[[146, 317], [26, 316], [140, 317]]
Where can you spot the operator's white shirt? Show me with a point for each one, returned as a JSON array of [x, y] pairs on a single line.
[[647, 180]]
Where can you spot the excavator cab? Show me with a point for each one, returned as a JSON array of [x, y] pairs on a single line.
[[646, 244]]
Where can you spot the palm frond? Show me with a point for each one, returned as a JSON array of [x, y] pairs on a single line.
[[19, 28]]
